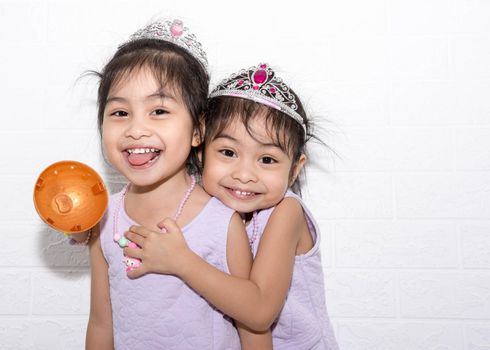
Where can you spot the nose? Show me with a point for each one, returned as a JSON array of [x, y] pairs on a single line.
[[244, 172], [137, 127]]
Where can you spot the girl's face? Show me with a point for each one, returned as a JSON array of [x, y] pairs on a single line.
[[147, 132], [247, 174]]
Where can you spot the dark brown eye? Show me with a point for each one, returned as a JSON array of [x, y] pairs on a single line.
[[227, 152], [268, 160]]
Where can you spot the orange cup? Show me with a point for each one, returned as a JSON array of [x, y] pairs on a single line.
[[70, 196]]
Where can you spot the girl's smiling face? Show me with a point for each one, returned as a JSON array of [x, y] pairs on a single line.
[[147, 130], [247, 173]]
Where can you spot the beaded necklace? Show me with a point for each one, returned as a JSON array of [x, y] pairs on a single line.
[[255, 229], [132, 263]]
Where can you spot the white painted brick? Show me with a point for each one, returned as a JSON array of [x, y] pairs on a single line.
[[475, 240], [478, 336], [52, 333], [472, 148], [471, 17], [470, 56], [364, 149], [22, 22], [69, 107], [399, 335], [455, 295], [74, 61], [421, 149], [357, 59], [472, 105], [440, 103], [462, 195], [17, 202], [426, 103], [351, 104], [16, 293], [419, 17], [65, 19], [31, 60], [351, 195], [326, 242], [382, 149], [402, 244], [353, 18], [47, 147], [416, 58], [37, 245], [60, 293], [360, 293]]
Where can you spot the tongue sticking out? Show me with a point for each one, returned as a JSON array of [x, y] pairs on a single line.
[[137, 159]]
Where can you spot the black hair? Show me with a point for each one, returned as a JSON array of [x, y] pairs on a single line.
[[172, 67]]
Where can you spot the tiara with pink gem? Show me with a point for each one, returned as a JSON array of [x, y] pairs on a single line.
[[262, 85], [174, 32]]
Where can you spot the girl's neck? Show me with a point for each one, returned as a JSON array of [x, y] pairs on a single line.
[[166, 187], [148, 205]]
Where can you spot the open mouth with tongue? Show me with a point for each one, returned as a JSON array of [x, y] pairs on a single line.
[[142, 157]]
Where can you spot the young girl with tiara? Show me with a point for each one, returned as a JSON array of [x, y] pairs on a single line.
[[256, 134], [151, 99]]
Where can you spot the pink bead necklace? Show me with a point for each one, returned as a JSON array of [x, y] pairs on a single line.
[[123, 242], [255, 229]]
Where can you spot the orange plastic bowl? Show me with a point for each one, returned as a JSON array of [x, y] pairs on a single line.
[[70, 196]]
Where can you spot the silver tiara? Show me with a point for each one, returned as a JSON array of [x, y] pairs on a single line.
[[262, 85], [174, 32]]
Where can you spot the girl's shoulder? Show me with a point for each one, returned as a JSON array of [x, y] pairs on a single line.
[[300, 222], [291, 204]]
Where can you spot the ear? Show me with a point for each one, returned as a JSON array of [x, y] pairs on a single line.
[[297, 168], [198, 135]]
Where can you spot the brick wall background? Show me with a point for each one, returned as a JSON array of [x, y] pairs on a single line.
[[400, 89]]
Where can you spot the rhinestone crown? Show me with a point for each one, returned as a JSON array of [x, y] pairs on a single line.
[[262, 85], [174, 32]]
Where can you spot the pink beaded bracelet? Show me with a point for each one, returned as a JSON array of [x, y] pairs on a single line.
[[85, 242]]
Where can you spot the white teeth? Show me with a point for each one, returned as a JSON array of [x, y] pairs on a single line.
[[141, 150], [243, 193]]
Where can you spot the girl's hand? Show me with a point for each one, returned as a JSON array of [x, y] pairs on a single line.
[[159, 252]]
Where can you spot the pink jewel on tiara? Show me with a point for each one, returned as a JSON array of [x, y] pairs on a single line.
[[176, 28], [260, 76], [262, 85], [176, 33]]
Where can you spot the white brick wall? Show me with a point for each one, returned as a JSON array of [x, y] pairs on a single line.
[[404, 209]]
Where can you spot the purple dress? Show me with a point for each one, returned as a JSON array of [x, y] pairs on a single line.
[[303, 322], [160, 311]]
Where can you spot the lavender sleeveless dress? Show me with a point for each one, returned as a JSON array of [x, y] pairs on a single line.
[[303, 323], [160, 311]]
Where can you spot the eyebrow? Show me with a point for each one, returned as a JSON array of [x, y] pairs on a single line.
[[158, 94], [229, 137]]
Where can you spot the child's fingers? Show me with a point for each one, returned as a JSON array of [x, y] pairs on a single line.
[[133, 252], [168, 224], [134, 237], [140, 230], [137, 272]]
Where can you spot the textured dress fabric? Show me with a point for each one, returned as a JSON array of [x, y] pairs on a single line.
[[303, 323], [160, 311]]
